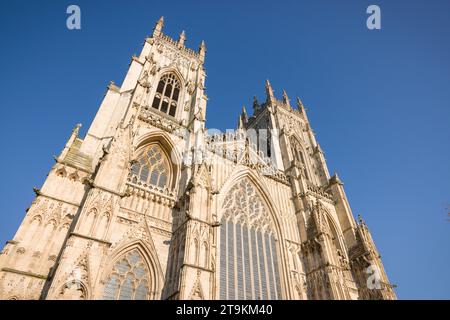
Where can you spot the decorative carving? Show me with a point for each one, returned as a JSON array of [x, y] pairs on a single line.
[[143, 81], [72, 291], [160, 121], [243, 203], [197, 291], [191, 87]]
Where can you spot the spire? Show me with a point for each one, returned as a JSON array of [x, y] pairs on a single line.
[[243, 118], [158, 27], [286, 99], [240, 125], [202, 51], [335, 179], [255, 105], [300, 105], [360, 220], [76, 130], [269, 92], [244, 113], [301, 108], [182, 38]]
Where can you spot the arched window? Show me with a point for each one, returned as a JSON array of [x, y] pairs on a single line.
[[334, 235], [151, 167], [167, 94], [129, 279], [299, 156], [248, 256]]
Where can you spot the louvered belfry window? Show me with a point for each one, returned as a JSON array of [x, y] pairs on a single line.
[[167, 94], [248, 257]]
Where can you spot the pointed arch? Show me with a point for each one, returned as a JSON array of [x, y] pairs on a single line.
[[262, 190], [335, 230], [152, 167], [134, 273], [169, 149], [74, 290], [88, 221], [300, 153], [102, 225], [173, 70], [167, 95], [47, 234], [203, 176], [35, 223], [250, 257]]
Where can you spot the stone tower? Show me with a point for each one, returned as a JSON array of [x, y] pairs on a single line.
[[151, 205]]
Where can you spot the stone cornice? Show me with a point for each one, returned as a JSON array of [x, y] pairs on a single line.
[[156, 192], [24, 273], [197, 267], [71, 165], [165, 39], [60, 200], [159, 120], [90, 238]]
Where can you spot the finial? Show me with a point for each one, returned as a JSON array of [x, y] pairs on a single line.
[[244, 110], [255, 105], [360, 219], [300, 104], [318, 149], [269, 92], [202, 51], [158, 27], [301, 108], [335, 179], [286, 99], [76, 129], [182, 38], [240, 125], [243, 118]]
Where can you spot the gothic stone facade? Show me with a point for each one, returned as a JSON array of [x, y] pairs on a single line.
[[148, 205]]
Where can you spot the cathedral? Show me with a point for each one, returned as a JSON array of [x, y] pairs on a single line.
[[150, 204]]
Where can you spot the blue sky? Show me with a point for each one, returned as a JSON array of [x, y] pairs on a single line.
[[379, 101]]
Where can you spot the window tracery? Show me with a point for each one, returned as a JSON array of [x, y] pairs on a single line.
[[151, 167], [248, 256], [129, 279], [299, 156], [167, 94]]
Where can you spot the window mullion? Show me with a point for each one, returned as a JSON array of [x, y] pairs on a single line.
[[163, 95]]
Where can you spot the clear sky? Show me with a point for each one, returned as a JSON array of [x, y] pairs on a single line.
[[378, 100]]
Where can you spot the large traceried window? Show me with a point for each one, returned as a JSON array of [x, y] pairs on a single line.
[[167, 94], [248, 255], [151, 167], [129, 279]]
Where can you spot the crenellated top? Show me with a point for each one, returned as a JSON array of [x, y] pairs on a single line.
[[158, 34], [275, 104]]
